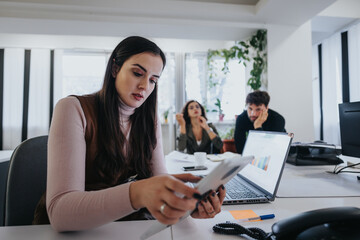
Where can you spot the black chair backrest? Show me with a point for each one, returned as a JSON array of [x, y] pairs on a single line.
[[26, 181]]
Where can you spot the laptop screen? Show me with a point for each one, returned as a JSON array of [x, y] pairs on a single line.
[[269, 150]]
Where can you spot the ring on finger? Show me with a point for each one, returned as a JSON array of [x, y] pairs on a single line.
[[162, 208], [211, 212]]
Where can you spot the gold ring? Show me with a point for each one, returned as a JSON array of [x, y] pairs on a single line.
[[162, 208], [211, 212]]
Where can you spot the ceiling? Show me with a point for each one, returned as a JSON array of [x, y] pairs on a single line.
[[184, 19], [323, 27], [337, 17]]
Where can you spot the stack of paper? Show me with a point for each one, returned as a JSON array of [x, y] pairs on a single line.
[[179, 156], [221, 156]]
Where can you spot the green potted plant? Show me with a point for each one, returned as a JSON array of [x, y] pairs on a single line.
[[166, 114], [218, 104], [253, 49]]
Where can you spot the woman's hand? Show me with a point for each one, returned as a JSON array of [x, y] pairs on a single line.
[[187, 177], [157, 194], [182, 123], [180, 119], [203, 123], [211, 205]]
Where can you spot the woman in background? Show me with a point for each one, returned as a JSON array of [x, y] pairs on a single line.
[[105, 156], [196, 135]]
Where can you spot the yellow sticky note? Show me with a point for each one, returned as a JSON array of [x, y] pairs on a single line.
[[243, 214]]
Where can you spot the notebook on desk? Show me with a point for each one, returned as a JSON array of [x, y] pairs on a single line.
[[258, 181]]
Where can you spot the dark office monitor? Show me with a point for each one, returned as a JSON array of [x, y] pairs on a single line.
[[349, 114]]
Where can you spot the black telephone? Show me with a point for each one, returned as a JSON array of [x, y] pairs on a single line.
[[339, 223], [327, 223]]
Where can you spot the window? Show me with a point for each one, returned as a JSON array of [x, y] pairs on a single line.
[[195, 77], [166, 88], [83, 73], [234, 94], [229, 88]]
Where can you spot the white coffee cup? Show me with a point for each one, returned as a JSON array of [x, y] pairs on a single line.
[[200, 158]]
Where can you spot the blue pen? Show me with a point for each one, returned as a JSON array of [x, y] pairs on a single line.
[[262, 217]]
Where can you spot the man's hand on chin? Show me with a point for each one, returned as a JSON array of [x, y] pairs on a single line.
[[261, 119]]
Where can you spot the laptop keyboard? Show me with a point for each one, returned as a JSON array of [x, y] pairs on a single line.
[[235, 189]]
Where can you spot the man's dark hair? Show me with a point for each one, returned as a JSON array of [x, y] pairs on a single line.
[[258, 97]]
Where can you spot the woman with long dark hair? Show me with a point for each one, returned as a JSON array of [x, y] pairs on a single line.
[[196, 134], [105, 156]]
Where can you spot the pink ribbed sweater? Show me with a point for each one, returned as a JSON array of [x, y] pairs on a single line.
[[69, 206]]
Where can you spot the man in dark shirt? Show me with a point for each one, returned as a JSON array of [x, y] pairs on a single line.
[[258, 116]]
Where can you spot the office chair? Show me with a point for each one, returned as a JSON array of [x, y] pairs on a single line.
[[26, 181]]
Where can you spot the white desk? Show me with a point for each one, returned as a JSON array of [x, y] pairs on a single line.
[[190, 228], [282, 208], [297, 181], [314, 181], [202, 228], [116, 230], [175, 162], [175, 166], [5, 155], [302, 188]]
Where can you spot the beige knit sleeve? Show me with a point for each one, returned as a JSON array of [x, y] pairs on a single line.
[[158, 159], [69, 206]]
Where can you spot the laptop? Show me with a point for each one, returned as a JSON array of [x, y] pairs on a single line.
[[258, 181]]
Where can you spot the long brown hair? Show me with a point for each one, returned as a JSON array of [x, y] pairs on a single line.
[[185, 111], [113, 164]]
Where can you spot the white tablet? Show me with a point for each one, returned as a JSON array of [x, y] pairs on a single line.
[[220, 175]]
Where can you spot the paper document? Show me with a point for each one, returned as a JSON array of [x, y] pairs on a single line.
[[221, 156], [179, 156]]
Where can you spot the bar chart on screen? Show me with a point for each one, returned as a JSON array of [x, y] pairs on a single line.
[[261, 162]]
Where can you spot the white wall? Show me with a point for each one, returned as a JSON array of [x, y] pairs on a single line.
[[289, 66], [290, 78]]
